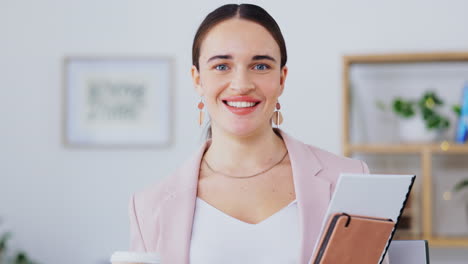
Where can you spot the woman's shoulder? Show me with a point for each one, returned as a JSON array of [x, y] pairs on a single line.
[[329, 160], [172, 186], [145, 208], [332, 165], [151, 197]]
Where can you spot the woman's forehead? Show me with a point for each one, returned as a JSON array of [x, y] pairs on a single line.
[[239, 38]]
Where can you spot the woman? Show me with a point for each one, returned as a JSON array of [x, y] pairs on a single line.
[[251, 194]]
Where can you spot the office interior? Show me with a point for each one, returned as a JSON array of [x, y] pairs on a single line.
[[68, 203]]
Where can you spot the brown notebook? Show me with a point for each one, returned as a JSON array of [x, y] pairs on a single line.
[[353, 239]]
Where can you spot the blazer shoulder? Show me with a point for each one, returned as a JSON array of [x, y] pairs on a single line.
[[152, 197], [174, 185], [333, 165]]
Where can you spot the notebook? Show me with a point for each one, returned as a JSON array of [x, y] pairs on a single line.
[[352, 239], [371, 195]]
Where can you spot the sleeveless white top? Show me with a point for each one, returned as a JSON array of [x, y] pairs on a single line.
[[220, 238]]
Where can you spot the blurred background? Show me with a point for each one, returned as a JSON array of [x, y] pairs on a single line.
[[66, 204]]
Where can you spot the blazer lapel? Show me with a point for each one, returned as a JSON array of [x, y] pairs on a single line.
[[176, 216], [312, 193]]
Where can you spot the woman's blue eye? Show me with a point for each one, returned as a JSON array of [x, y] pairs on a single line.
[[221, 67], [261, 67]]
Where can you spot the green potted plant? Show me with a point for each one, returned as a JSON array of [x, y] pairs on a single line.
[[19, 258], [421, 120], [3, 245]]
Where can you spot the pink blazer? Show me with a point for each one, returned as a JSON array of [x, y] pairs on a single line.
[[161, 216]]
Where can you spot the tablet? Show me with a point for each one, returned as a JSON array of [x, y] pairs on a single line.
[[372, 195]]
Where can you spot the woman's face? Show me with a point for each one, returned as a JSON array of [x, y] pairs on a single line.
[[239, 76]]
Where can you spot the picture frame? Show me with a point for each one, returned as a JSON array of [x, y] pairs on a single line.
[[117, 102]]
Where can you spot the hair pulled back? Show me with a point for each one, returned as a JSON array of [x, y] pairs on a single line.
[[249, 12]]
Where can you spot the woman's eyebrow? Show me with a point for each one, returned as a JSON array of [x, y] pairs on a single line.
[[229, 57], [219, 57], [263, 57]]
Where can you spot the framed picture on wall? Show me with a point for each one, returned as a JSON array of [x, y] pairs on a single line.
[[117, 101]]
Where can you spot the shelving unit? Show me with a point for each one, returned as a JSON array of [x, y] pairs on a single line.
[[425, 152], [444, 147]]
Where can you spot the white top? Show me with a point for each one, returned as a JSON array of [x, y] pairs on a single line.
[[220, 238]]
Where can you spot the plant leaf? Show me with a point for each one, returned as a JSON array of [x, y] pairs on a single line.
[[4, 239], [380, 105], [403, 108], [460, 185], [457, 109]]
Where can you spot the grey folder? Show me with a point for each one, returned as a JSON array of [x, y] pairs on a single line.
[[409, 252]]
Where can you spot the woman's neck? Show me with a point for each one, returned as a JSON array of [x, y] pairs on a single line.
[[244, 155]]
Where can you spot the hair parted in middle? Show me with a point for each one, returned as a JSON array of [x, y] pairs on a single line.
[[249, 12]]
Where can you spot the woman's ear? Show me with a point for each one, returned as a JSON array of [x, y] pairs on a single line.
[[196, 80], [284, 74]]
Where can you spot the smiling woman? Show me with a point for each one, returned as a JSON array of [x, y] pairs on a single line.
[[241, 47], [251, 194], [240, 76]]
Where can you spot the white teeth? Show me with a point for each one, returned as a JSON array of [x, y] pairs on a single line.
[[240, 104]]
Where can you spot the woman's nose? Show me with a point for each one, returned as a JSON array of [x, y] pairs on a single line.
[[241, 83]]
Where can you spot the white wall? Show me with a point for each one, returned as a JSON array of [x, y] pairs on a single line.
[[69, 206]]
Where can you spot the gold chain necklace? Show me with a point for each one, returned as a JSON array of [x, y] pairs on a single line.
[[245, 177]]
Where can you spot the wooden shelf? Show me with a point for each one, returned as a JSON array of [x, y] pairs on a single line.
[[406, 235], [407, 58], [422, 227], [433, 241], [407, 213], [447, 242], [444, 147]]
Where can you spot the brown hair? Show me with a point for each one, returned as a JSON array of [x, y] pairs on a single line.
[[249, 12]]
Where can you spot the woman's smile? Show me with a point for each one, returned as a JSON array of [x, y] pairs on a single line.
[[241, 105]]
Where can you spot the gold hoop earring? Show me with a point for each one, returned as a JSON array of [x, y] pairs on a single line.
[[201, 115], [277, 116]]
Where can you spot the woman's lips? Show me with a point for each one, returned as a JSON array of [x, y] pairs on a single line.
[[241, 110]]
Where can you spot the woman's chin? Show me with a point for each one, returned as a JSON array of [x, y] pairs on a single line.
[[243, 130]]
